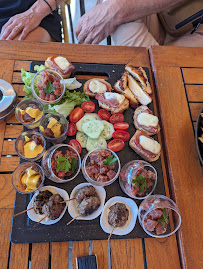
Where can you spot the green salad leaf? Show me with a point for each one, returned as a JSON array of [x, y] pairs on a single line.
[[49, 88], [110, 160], [164, 217], [63, 164], [140, 181]]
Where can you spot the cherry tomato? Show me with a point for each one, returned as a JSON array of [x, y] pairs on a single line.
[[88, 106], [76, 115], [116, 145], [104, 114], [121, 126], [76, 145], [120, 134], [72, 129], [118, 117]]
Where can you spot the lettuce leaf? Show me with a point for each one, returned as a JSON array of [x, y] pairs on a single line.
[[72, 83]]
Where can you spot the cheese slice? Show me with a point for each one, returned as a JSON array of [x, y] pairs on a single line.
[[147, 119], [96, 86], [150, 144], [112, 95], [62, 62], [34, 113]]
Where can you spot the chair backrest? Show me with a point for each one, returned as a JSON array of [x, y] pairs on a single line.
[[62, 11]]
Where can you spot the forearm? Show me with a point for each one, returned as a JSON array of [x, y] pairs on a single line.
[[131, 10], [41, 8]]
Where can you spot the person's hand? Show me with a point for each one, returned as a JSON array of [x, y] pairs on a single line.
[[96, 24], [22, 23]]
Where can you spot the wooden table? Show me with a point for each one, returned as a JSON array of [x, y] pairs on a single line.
[[132, 253], [178, 74]]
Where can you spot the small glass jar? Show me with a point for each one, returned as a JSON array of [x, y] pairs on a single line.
[[132, 177], [161, 213], [22, 106], [35, 90], [20, 171], [86, 160], [64, 127], [47, 167], [22, 139]]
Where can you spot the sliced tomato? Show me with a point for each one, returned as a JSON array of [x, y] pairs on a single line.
[[116, 145], [76, 145], [118, 117], [121, 126], [72, 129], [76, 115], [120, 134], [104, 114], [88, 106]]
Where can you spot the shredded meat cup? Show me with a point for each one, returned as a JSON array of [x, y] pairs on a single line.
[[137, 143]]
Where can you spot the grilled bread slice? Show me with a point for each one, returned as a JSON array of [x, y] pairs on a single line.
[[120, 109], [96, 84]]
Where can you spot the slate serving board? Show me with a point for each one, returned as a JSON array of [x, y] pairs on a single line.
[[82, 230]]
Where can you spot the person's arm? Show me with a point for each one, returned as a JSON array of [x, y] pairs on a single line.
[[27, 21], [104, 18]]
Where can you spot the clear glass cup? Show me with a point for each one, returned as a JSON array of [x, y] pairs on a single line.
[[18, 173], [61, 119], [86, 160], [35, 90], [21, 139], [150, 209], [22, 106], [46, 163], [128, 174]]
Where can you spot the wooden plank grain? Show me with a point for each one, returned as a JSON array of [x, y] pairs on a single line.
[[13, 131], [17, 77], [5, 227], [176, 56], [7, 192], [127, 254], [19, 89], [195, 109], [184, 166], [193, 75], [8, 147], [19, 256], [59, 255], [74, 52], [100, 248], [167, 257], [40, 256], [22, 64], [80, 248], [195, 93], [8, 164]]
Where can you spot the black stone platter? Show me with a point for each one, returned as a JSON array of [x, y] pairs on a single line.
[[82, 230]]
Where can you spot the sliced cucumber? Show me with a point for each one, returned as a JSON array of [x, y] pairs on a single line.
[[82, 139], [95, 115], [87, 117], [93, 128], [96, 143], [108, 130]]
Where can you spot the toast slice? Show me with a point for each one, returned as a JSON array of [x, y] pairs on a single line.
[[149, 130], [91, 94], [142, 96], [145, 154], [140, 76], [120, 109]]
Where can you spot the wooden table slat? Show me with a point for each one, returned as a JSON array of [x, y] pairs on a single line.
[[59, 255], [19, 89], [127, 254], [7, 192], [100, 248], [40, 256], [195, 93], [8, 147], [8, 164], [195, 109], [13, 131], [22, 64], [19, 256], [193, 75], [5, 227], [80, 248]]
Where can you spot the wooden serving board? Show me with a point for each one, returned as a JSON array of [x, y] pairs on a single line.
[[83, 230]]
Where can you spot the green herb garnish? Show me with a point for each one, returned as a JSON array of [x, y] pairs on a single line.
[[110, 160], [49, 88], [140, 181], [164, 217], [63, 164], [73, 164]]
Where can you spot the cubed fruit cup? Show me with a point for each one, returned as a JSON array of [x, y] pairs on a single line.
[[61, 119], [20, 170], [36, 92], [21, 139], [86, 160], [47, 163], [22, 106], [128, 175], [159, 202]]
